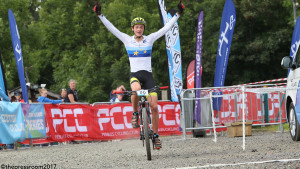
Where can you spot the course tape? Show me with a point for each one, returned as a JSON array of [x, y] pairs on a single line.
[[266, 81], [237, 88]]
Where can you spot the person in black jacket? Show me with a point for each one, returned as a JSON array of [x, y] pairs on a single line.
[[72, 96]]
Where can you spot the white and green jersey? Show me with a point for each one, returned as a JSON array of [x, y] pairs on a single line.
[[139, 53]]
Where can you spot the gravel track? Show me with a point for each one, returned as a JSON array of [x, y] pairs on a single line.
[[263, 150]]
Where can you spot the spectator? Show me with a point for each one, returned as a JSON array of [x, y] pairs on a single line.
[[72, 96], [63, 94], [117, 97], [43, 97], [18, 96]]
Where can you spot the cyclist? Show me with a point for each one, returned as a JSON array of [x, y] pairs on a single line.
[[139, 49]]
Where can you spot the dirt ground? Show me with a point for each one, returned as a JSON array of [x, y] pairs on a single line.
[[264, 149]]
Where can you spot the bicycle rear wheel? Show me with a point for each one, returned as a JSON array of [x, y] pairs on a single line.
[[146, 132]]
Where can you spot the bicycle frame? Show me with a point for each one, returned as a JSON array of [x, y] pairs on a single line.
[[146, 132], [144, 104]]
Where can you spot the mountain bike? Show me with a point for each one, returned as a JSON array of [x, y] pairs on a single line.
[[146, 132]]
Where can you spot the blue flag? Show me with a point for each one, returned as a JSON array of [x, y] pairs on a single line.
[[15, 37], [2, 76], [4, 96], [295, 40], [173, 52], [225, 38], [3, 89]]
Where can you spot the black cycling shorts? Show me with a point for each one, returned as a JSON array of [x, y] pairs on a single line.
[[144, 78]]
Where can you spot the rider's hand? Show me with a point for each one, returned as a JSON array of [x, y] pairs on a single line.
[[180, 7], [97, 8]]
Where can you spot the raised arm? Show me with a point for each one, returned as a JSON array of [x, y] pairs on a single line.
[[46, 100], [169, 25], [53, 101], [120, 35], [156, 35]]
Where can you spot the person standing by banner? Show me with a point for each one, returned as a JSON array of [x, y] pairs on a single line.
[[63, 94], [43, 97], [72, 96], [18, 96], [139, 49]]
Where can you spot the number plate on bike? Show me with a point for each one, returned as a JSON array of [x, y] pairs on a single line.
[[142, 92]]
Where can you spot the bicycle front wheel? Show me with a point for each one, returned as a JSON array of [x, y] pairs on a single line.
[[146, 132]]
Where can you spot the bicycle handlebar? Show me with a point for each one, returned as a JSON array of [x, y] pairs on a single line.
[[153, 89]]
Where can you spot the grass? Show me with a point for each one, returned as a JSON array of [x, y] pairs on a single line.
[[270, 127]]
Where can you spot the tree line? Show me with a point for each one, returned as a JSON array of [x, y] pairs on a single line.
[[64, 40]]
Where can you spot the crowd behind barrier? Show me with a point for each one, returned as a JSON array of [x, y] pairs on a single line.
[[46, 123]]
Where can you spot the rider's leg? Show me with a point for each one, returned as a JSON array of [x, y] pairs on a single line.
[[152, 99], [134, 100]]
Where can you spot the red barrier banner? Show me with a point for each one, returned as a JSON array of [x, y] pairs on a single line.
[[113, 121], [106, 122], [259, 108], [70, 122], [103, 122]]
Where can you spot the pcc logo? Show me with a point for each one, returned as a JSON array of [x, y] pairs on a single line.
[[119, 117], [64, 120]]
